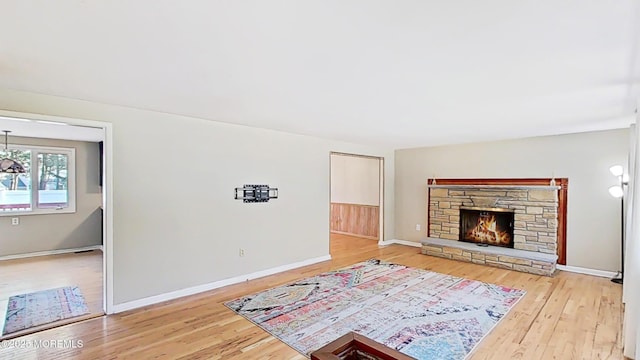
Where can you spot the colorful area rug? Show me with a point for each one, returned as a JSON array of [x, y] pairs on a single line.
[[422, 314], [43, 307]]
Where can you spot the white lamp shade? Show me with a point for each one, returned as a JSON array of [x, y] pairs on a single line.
[[616, 170], [616, 191]]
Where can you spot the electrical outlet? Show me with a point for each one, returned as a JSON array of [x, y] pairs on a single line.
[[15, 221], [241, 253], [417, 227]]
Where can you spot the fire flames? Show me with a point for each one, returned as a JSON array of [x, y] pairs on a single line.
[[486, 232]]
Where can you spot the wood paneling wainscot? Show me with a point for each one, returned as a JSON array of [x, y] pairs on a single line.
[[355, 219]]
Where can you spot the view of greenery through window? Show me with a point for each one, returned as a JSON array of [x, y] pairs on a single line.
[[11, 181], [52, 179], [16, 190]]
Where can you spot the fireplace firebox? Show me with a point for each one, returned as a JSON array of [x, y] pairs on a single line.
[[487, 226]]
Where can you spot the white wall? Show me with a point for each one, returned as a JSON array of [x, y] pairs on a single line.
[[593, 216], [355, 180], [166, 241], [60, 231]]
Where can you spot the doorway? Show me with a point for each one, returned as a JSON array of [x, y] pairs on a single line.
[[57, 273], [356, 196]]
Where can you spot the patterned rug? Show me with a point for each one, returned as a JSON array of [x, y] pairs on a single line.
[[43, 307], [423, 314]]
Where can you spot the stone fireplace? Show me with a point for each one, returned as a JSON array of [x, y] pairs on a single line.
[[520, 222], [535, 213]]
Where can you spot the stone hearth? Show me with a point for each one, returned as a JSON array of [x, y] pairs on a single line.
[[512, 259]]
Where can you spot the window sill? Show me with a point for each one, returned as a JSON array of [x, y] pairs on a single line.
[[37, 212]]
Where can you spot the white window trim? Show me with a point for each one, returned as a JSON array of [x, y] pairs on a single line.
[[71, 180]]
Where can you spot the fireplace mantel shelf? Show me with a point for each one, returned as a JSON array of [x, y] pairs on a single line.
[[507, 187]]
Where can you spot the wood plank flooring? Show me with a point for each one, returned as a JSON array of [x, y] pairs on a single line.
[[21, 276], [569, 316]]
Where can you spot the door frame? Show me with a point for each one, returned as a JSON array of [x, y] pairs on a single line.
[[381, 189], [107, 193]]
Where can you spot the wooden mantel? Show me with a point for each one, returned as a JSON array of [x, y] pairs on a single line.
[[562, 183]]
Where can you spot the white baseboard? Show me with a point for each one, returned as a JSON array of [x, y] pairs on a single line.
[[214, 285], [50, 252], [580, 270], [399, 242]]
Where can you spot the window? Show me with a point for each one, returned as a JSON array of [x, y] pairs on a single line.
[[47, 187]]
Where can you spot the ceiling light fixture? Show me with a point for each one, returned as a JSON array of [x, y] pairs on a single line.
[[14, 119], [9, 165], [50, 122]]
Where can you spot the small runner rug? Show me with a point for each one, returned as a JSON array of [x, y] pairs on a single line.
[[43, 307], [420, 313]]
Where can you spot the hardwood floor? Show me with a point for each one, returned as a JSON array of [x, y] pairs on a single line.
[[569, 316], [21, 276]]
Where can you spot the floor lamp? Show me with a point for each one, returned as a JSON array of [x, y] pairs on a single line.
[[617, 191]]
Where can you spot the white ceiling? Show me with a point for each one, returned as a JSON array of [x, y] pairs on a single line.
[[391, 72]]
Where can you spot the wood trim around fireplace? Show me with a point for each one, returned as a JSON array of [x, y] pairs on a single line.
[[563, 183]]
